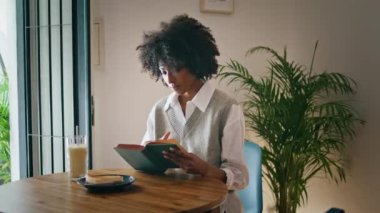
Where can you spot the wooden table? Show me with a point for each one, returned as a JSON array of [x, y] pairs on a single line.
[[172, 192]]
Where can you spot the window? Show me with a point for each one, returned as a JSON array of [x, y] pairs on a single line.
[[54, 86]]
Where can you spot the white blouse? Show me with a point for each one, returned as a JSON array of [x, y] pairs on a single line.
[[232, 140]]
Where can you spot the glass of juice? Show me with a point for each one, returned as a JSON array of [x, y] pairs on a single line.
[[77, 154]]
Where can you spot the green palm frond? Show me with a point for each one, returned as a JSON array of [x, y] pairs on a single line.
[[5, 164], [299, 115], [332, 82]]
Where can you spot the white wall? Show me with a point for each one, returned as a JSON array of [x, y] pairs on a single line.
[[348, 35], [349, 42]]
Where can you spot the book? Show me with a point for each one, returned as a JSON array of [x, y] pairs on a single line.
[[148, 158]]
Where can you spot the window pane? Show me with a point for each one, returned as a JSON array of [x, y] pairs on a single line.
[[66, 12], [43, 13], [35, 96], [51, 82], [68, 86], [56, 96], [45, 99]]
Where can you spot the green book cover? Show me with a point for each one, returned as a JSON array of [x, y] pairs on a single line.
[[147, 158]]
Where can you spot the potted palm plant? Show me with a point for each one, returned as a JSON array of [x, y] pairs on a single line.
[[302, 119]]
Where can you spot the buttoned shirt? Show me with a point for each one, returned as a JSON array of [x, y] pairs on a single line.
[[233, 133]]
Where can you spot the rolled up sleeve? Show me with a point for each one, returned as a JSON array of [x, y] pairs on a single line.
[[233, 163]]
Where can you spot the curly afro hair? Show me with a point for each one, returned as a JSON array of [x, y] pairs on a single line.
[[182, 43]]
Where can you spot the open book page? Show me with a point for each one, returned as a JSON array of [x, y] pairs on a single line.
[[168, 141], [141, 147], [130, 146]]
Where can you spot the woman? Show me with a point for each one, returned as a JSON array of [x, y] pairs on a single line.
[[208, 123]]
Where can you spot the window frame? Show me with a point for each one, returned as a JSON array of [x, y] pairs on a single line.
[[81, 81]]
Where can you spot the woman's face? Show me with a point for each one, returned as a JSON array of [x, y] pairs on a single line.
[[180, 82]]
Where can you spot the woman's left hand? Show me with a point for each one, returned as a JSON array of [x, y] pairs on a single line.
[[187, 161]]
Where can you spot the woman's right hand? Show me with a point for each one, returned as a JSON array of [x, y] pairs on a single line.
[[165, 136]]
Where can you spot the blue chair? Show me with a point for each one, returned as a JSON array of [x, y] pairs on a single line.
[[251, 196]]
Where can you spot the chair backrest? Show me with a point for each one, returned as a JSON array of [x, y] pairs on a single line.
[[251, 196]]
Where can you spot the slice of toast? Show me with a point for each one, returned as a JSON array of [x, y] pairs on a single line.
[[99, 178]]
